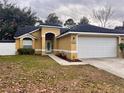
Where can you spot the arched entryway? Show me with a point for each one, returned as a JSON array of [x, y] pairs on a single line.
[[49, 37]]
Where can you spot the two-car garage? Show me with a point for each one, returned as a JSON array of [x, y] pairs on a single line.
[[96, 47]]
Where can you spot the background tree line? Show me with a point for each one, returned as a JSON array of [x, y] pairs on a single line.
[[54, 19], [11, 17]]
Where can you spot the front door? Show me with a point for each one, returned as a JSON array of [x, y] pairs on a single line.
[[48, 46]]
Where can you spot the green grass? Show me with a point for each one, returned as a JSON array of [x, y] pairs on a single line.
[[29, 62], [41, 74]]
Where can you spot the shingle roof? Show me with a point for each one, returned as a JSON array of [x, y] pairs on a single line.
[[119, 28], [77, 28], [23, 30], [93, 29], [26, 29], [7, 41], [63, 30]]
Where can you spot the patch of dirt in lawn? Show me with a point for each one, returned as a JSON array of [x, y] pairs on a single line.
[[16, 77]]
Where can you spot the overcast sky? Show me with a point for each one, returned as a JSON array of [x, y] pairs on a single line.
[[74, 8]]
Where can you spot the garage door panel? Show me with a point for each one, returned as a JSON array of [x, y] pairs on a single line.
[[96, 47]]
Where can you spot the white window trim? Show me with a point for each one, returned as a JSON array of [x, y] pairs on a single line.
[[27, 44]]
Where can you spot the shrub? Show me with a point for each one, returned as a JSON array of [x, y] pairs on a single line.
[[121, 45], [62, 55], [26, 51]]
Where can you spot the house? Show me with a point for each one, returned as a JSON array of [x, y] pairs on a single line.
[[80, 41]]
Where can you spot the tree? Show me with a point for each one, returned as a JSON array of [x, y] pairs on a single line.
[[103, 15], [11, 17], [84, 20], [53, 19], [69, 23], [39, 22]]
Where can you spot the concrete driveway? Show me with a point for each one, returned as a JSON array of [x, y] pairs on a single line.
[[111, 65]]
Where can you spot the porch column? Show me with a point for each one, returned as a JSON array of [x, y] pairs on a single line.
[[17, 44], [43, 44], [21, 43], [33, 43], [73, 47], [55, 45]]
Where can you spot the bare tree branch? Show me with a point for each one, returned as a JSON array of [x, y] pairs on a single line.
[[103, 15]]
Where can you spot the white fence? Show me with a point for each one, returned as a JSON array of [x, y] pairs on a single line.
[[7, 48]]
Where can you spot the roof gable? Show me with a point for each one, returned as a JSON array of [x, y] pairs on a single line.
[[28, 35], [27, 29]]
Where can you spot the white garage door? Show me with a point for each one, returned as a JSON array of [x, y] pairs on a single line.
[[7, 49], [97, 47]]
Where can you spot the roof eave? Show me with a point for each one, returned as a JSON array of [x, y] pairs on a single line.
[[90, 33]]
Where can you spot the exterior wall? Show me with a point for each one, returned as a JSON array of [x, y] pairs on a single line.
[[17, 43], [121, 39], [44, 31], [67, 45], [37, 42]]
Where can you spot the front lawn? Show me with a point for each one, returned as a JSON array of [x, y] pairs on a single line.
[[37, 74]]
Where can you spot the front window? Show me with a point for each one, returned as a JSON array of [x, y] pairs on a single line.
[[27, 43]]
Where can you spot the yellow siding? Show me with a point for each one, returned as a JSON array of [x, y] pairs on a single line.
[[37, 42], [44, 30], [17, 43], [73, 42], [122, 39], [64, 43], [67, 43]]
